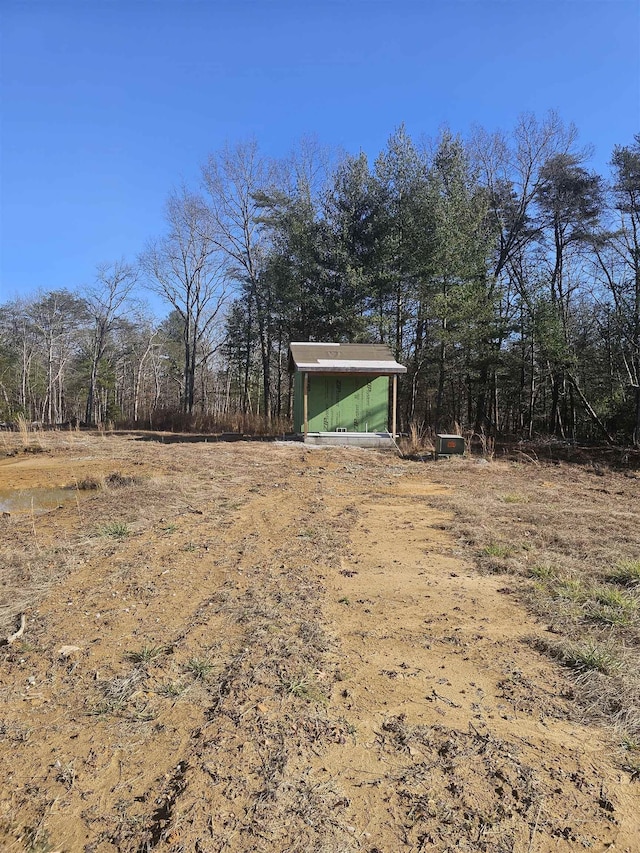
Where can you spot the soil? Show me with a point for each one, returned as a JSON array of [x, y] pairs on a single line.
[[266, 647]]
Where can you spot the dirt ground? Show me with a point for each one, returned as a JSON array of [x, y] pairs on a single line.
[[266, 647]]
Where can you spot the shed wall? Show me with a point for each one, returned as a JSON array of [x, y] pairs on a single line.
[[355, 402]]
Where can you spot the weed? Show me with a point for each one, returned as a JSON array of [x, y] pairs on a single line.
[[171, 690], [631, 755], [143, 714], [104, 708], [304, 688], [418, 441], [631, 763], [15, 732], [498, 549], [146, 654], [37, 841], [297, 687], [627, 573], [630, 743], [348, 727], [612, 597], [572, 589], [487, 443], [116, 529], [598, 602], [589, 655], [307, 533], [23, 429], [609, 615], [344, 600], [514, 499], [66, 774], [543, 572], [199, 668], [117, 693]]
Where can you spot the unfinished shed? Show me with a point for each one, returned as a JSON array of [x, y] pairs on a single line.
[[341, 392]]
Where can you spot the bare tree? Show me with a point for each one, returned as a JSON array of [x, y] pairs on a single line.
[[56, 318], [187, 269], [106, 301], [20, 340], [234, 179], [511, 170]]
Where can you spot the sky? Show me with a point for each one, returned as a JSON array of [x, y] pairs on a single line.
[[105, 105]]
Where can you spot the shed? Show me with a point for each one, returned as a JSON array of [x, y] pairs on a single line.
[[341, 392]]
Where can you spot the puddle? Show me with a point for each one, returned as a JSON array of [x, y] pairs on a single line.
[[34, 500]]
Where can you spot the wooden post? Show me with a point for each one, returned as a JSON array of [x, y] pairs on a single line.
[[305, 404], [394, 404]]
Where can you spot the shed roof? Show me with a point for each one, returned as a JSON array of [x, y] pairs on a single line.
[[343, 358]]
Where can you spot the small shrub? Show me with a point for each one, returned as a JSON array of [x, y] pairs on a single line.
[[89, 484], [118, 480]]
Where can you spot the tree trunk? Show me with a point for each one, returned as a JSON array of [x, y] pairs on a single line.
[[590, 411], [441, 380]]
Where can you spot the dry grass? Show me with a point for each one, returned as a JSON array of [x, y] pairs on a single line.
[[223, 699], [236, 423], [418, 443], [567, 535], [38, 550]]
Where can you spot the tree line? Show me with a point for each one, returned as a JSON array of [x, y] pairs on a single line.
[[501, 269]]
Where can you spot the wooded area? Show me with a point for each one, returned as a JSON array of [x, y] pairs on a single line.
[[500, 269]]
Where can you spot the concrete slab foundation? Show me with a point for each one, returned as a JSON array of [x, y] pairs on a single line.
[[350, 439]]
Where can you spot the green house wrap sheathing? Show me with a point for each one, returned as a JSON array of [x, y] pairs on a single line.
[[353, 402]]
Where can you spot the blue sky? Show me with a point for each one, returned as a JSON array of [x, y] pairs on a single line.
[[107, 104]]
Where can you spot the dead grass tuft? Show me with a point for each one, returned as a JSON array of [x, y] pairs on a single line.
[[418, 443]]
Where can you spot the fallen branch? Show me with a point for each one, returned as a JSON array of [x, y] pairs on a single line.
[[23, 623]]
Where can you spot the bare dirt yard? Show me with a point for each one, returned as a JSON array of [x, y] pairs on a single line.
[[264, 647]]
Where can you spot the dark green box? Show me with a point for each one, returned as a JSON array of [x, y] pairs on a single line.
[[449, 445]]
